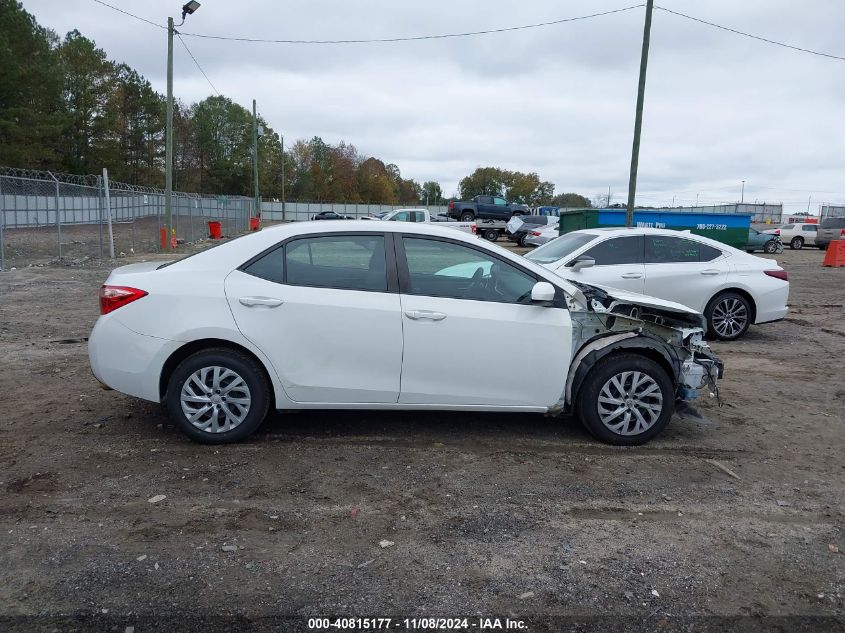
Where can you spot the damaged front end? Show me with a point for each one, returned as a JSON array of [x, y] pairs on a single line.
[[609, 321]]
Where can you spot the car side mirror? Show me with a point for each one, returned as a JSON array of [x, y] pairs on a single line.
[[583, 262], [543, 292]]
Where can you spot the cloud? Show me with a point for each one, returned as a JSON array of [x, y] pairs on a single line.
[[559, 100]]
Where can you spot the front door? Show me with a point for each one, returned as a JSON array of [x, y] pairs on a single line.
[[321, 309], [459, 305], [619, 264]]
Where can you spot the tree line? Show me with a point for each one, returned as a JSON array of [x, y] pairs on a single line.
[[65, 106]]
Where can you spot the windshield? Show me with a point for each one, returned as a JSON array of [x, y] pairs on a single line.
[[560, 247]]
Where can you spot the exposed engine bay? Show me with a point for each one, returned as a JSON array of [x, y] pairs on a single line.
[[603, 323]]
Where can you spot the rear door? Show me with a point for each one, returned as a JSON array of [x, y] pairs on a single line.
[[683, 270], [619, 264], [325, 310], [808, 232]]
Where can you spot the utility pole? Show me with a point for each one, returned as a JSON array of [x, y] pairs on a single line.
[[283, 178], [187, 9], [168, 150], [608, 195], [255, 158], [808, 204], [638, 121], [742, 195]]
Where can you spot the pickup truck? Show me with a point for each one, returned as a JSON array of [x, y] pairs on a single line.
[[486, 208], [422, 215]]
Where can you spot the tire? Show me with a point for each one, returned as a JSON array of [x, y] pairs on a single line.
[[770, 247], [467, 216], [797, 243], [822, 247], [521, 241], [185, 395], [635, 420], [749, 250], [490, 235], [728, 316]]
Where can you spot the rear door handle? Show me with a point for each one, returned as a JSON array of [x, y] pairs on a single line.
[[632, 275], [710, 271], [268, 302], [416, 315]]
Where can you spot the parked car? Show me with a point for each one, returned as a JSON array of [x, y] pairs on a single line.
[[519, 227], [423, 216], [542, 235], [387, 315], [330, 215], [486, 208], [732, 289], [830, 229], [759, 241], [797, 235]]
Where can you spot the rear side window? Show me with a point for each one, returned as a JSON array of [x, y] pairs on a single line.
[[665, 249], [618, 250], [346, 262], [810, 228]]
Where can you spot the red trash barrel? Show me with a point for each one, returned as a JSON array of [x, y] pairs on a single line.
[[253, 224], [215, 230]]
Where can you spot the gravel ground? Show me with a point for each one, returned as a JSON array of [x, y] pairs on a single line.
[[734, 522]]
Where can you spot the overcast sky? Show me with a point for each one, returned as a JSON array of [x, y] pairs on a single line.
[[558, 100]]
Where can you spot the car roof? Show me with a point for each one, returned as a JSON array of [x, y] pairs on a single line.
[[611, 231]]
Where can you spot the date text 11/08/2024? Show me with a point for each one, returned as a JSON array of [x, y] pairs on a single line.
[[418, 624]]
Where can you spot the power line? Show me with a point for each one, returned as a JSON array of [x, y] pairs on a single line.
[[179, 35], [131, 15], [416, 37], [756, 37]]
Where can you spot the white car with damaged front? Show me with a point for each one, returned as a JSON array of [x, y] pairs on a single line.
[[730, 287], [365, 315]]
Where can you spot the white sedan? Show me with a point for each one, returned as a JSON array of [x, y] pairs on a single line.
[[732, 288], [364, 315]]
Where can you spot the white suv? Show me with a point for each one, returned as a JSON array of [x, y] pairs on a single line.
[[797, 235]]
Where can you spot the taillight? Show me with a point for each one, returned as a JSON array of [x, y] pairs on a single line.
[[474, 228], [778, 274], [451, 205], [114, 297], [535, 233], [777, 232], [842, 233]]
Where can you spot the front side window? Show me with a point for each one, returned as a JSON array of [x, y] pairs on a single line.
[[445, 269], [348, 262], [402, 216], [618, 250]]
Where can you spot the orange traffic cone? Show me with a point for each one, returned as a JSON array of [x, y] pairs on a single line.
[[835, 255]]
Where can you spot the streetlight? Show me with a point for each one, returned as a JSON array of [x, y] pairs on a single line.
[[742, 195], [187, 9]]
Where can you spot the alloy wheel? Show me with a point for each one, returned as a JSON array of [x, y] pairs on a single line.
[[215, 399], [630, 403], [730, 316]]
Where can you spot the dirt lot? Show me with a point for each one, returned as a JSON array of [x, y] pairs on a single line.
[[515, 516]]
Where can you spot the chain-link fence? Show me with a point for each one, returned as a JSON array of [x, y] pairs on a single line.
[[299, 211], [48, 216]]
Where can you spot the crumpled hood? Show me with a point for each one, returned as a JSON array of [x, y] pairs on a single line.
[[645, 300]]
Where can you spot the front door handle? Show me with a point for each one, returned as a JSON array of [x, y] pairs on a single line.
[[710, 271], [424, 314], [267, 302], [632, 276]]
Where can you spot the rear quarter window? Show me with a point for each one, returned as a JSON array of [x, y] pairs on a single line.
[[833, 223]]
